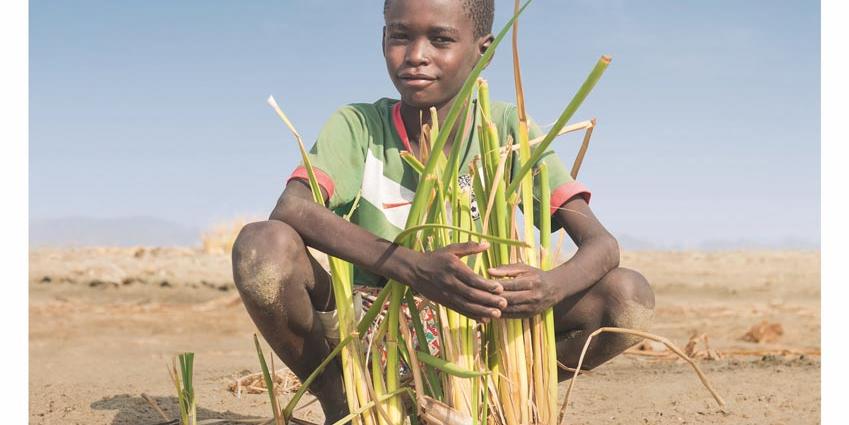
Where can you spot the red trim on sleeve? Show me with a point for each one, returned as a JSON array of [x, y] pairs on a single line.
[[565, 192], [323, 179], [399, 126]]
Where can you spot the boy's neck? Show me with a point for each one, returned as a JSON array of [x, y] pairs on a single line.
[[414, 118]]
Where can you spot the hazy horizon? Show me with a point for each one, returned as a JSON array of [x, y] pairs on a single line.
[[708, 116], [153, 231]]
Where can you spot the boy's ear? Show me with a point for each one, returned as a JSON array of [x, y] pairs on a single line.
[[483, 45], [383, 42]]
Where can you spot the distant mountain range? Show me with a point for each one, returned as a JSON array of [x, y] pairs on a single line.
[[124, 231], [151, 231]]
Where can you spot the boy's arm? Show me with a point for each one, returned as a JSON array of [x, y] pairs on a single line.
[[531, 291], [438, 275]]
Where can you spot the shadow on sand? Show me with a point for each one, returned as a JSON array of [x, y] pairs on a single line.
[[134, 410]]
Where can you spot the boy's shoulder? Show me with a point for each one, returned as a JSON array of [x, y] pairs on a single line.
[[374, 110], [361, 118]]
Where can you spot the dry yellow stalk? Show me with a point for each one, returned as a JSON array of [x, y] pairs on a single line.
[[646, 335]]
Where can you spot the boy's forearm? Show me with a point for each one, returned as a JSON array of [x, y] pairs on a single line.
[[321, 229], [598, 251], [595, 257]]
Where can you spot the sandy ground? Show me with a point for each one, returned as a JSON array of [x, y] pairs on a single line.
[[105, 321]]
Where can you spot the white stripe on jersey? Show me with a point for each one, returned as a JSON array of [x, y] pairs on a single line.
[[379, 190]]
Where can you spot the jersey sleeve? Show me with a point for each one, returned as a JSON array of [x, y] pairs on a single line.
[[561, 184], [338, 156]]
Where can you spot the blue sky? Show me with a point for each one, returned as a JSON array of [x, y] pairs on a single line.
[[709, 115]]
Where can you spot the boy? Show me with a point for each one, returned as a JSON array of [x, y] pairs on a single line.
[[430, 48]]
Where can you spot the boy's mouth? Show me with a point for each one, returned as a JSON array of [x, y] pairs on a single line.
[[413, 80]]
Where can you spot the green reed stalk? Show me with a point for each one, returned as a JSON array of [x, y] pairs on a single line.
[[546, 263], [418, 210], [341, 273], [182, 380], [567, 113], [269, 383]]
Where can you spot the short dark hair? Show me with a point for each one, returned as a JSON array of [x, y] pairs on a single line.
[[481, 12]]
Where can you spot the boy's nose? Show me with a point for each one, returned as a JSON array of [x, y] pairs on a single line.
[[417, 54]]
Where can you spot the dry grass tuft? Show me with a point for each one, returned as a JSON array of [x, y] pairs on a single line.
[[285, 382], [669, 345], [220, 237], [764, 332]]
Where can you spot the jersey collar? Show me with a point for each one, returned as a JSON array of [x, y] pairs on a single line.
[[399, 126]]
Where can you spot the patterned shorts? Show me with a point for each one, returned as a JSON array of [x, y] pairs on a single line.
[[427, 313]]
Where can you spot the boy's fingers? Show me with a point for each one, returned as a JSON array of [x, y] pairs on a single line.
[[521, 306], [474, 280], [467, 248], [477, 311], [509, 270], [520, 312], [483, 298], [512, 285], [518, 298]]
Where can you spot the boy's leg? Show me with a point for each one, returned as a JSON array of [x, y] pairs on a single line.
[[622, 298], [282, 287]]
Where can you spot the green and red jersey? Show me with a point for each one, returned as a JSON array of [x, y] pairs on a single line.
[[358, 151]]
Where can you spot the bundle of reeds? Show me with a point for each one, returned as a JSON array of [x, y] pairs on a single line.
[[520, 386], [502, 372]]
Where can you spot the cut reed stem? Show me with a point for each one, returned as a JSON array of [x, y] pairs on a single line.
[[646, 335], [579, 159], [573, 105], [583, 125]]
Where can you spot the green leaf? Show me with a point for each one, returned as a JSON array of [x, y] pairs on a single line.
[[266, 376], [314, 187], [413, 162], [573, 106], [491, 238], [448, 367]]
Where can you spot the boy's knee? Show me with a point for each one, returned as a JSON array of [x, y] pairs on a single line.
[[267, 238], [262, 254], [630, 299]]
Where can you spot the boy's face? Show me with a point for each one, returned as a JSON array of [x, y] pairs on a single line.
[[430, 48]]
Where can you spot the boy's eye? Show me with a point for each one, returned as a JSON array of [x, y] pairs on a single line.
[[442, 40], [398, 36]]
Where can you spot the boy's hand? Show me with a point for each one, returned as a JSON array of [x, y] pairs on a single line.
[[443, 278], [529, 292]]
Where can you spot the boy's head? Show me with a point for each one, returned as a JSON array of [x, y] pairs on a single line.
[[481, 12], [431, 46]]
